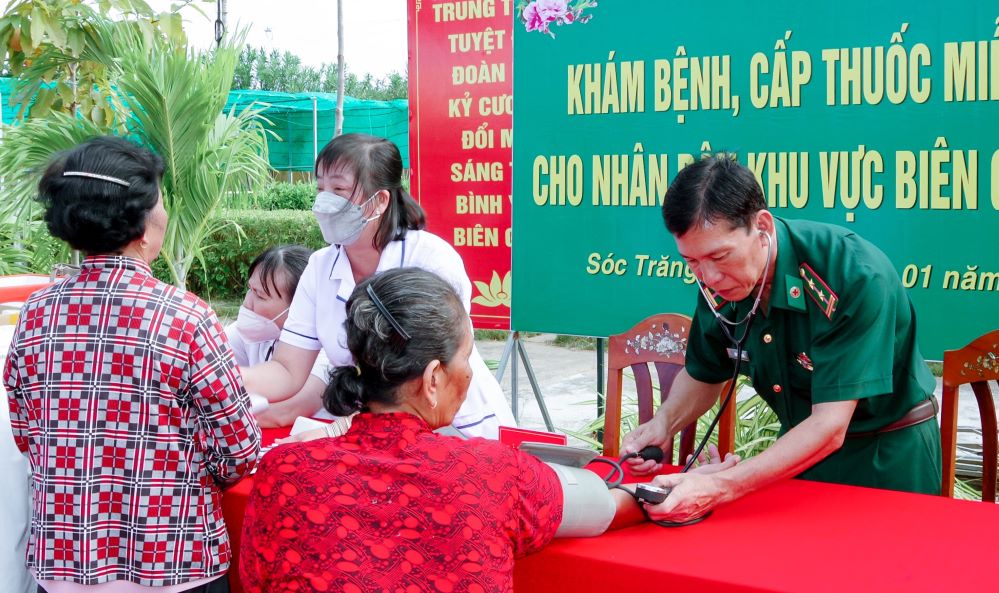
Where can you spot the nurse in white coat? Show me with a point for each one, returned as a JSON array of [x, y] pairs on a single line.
[[372, 224]]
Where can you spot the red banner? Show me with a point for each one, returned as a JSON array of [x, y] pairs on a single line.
[[461, 116]]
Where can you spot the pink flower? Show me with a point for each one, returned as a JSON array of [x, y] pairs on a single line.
[[532, 20], [539, 15], [552, 10]]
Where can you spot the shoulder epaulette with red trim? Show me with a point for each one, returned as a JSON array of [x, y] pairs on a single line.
[[716, 301], [820, 292]]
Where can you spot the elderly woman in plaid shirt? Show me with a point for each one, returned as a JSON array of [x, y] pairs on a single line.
[[124, 395]]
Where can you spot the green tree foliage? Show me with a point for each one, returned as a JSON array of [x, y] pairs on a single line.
[[13, 259], [274, 71], [171, 101], [279, 195], [259, 69], [221, 274], [52, 48]]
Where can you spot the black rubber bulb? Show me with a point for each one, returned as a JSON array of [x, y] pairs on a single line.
[[652, 452]]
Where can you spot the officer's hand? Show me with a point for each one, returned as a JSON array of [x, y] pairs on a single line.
[[692, 495], [652, 432], [712, 462]]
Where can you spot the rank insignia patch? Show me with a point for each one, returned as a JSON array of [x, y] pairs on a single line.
[[805, 362], [818, 290], [713, 299], [795, 295]]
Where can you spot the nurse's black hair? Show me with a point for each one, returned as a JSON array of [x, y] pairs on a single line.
[[376, 164], [289, 259], [425, 307], [714, 189]]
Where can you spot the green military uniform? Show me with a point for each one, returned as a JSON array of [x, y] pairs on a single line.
[[839, 326]]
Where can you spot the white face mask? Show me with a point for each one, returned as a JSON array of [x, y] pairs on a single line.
[[255, 328], [340, 220]]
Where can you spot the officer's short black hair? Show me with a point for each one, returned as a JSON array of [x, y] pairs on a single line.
[[715, 188], [94, 215]]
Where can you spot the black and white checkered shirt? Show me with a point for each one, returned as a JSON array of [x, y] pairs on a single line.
[[124, 394]]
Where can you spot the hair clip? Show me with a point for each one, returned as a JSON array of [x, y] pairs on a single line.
[[107, 178], [381, 307]]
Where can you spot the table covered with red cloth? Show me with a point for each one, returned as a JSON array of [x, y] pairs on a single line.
[[234, 507], [794, 536]]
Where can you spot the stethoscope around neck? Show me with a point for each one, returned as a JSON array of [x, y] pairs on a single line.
[[748, 318], [724, 324], [738, 344]]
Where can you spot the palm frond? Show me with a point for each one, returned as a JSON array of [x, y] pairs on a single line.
[[170, 100], [25, 150], [13, 259], [757, 426], [176, 100]]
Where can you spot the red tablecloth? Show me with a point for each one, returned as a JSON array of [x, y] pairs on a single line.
[[795, 536], [234, 507]]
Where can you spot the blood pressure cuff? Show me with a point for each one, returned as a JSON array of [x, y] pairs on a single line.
[[587, 505]]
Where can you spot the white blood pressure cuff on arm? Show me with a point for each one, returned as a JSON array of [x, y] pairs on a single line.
[[587, 505], [338, 427]]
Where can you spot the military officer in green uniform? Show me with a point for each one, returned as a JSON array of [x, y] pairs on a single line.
[[823, 327]]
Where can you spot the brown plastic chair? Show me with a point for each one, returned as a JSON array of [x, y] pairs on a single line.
[[977, 364], [659, 341]]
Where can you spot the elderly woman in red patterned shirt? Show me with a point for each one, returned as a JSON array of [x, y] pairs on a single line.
[[124, 394], [391, 504]]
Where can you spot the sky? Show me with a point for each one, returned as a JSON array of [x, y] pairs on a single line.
[[374, 30]]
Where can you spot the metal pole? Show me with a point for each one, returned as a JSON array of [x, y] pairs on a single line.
[[315, 128], [601, 390], [601, 385], [220, 22], [505, 358], [515, 336], [338, 129], [535, 386]]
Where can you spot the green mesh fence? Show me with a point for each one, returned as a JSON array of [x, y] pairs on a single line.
[[292, 146], [291, 120], [6, 91]]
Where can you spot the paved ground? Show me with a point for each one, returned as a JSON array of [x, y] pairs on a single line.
[[568, 382]]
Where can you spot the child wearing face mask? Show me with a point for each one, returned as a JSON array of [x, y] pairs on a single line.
[[273, 279], [372, 224]]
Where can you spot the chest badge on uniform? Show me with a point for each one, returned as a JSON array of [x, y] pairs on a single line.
[[820, 292], [805, 362]]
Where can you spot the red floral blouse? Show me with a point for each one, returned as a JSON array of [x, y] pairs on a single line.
[[392, 506]]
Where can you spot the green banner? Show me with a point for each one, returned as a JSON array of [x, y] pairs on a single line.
[[880, 117]]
